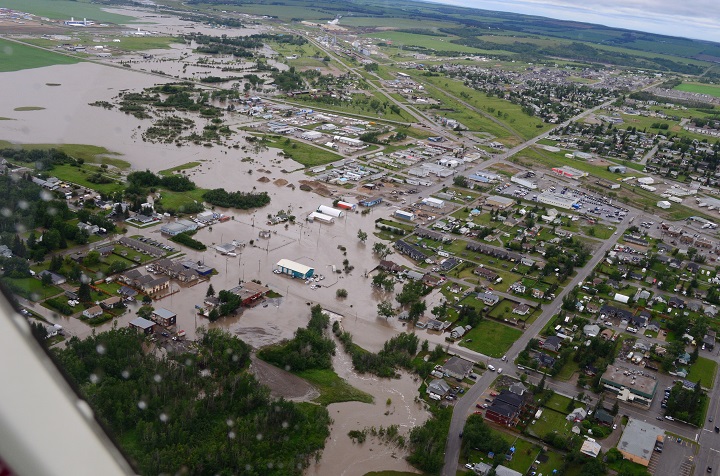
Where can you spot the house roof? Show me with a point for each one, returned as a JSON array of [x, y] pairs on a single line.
[[142, 323], [458, 366], [518, 388], [164, 313], [439, 384], [639, 439], [510, 398]]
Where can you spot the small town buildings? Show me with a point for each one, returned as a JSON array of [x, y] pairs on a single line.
[[250, 293], [438, 387], [296, 270], [111, 302], [56, 279], [629, 386], [638, 441], [178, 226], [164, 317], [489, 299], [458, 368], [590, 448], [144, 325], [499, 202], [370, 202], [552, 343], [506, 408], [155, 285], [92, 312], [407, 249], [486, 273]]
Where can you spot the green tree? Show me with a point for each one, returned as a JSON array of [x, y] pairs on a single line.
[[84, 292], [417, 309], [210, 291], [341, 293], [46, 279], [385, 309], [362, 236]]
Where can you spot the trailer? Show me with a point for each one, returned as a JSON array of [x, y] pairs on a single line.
[[333, 212]]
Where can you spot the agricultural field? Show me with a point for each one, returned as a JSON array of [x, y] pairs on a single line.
[[64, 9], [16, 56], [709, 89]]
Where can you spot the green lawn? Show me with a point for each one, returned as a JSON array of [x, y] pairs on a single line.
[[554, 462], [567, 371], [178, 168], [89, 153], [551, 420], [491, 338], [601, 232], [305, 154], [560, 403], [79, 175], [709, 89], [332, 388], [140, 43], [177, 200], [703, 370], [31, 288], [16, 56], [64, 9], [525, 453]]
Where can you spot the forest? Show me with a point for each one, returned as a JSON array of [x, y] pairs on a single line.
[[193, 413]]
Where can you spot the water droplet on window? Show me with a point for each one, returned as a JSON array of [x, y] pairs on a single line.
[[125, 374], [229, 422], [285, 424], [157, 378], [6, 212], [22, 205], [94, 378], [163, 417], [259, 436], [142, 405], [100, 349], [46, 196], [231, 435]]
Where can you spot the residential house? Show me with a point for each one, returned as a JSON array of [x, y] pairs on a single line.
[[458, 332], [438, 386], [458, 368], [409, 250], [92, 312], [127, 293], [518, 287], [111, 302], [538, 293], [544, 360], [506, 408], [390, 266], [521, 309], [654, 326], [489, 299], [552, 343], [486, 273], [675, 301], [156, 285], [709, 340], [591, 330], [56, 279], [431, 281], [129, 277], [164, 317], [143, 324], [518, 388]]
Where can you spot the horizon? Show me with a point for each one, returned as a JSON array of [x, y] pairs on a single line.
[[693, 19]]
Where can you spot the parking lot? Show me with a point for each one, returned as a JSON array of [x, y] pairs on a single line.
[[676, 458]]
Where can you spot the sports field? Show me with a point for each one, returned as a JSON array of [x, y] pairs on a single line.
[[16, 56], [708, 89]]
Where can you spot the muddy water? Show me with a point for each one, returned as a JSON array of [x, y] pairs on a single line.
[[343, 457]]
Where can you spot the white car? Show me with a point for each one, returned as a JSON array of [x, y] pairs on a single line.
[[491, 368], [500, 370]]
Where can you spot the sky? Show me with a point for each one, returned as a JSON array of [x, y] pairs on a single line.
[[698, 19]]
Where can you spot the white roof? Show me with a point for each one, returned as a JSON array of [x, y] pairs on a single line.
[[299, 267], [163, 313]]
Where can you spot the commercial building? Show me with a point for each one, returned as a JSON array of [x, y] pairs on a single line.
[[321, 217], [638, 441], [371, 202], [250, 293], [346, 205], [333, 212], [433, 202], [557, 200], [524, 182], [296, 270], [629, 385], [164, 317], [501, 203], [569, 172], [404, 215], [178, 226]]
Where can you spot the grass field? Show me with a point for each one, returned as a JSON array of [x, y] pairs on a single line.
[[31, 288], [551, 421], [89, 153], [15, 56], [332, 388], [178, 168], [708, 89], [64, 9], [703, 370], [176, 200], [491, 338], [141, 43], [305, 154], [560, 403], [79, 175]]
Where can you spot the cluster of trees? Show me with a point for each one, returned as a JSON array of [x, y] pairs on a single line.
[[174, 182], [185, 420], [43, 159], [427, 442], [242, 200], [288, 80], [187, 240], [309, 349], [687, 405], [480, 437], [229, 304], [397, 352]]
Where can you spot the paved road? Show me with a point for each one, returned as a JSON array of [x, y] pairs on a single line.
[[709, 455], [465, 405]]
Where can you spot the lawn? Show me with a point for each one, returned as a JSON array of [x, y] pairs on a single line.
[[708, 89], [525, 453], [64, 9], [554, 462], [305, 154], [176, 200], [560, 403], [599, 231], [140, 43], [567, 371], [79, 175], [551, 420], [88, 153], [703, 370], [332, 388], [502, 338], [178, 168], [16, 56], [31, 288]]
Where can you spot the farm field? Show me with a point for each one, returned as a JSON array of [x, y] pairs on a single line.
[[64, 9], [16, 56], [709, 89]]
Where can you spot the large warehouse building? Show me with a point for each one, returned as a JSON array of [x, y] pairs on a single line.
[[296, 270], [638, 441]]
